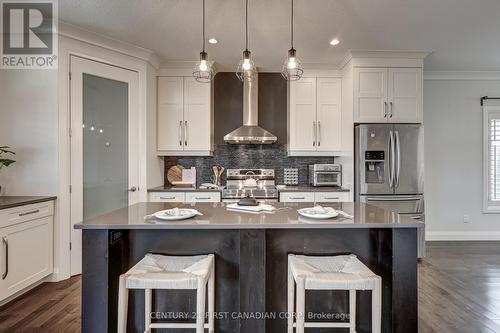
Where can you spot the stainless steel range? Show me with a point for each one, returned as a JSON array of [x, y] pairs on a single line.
[[257, 183]]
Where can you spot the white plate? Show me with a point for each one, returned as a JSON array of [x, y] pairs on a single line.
[[169, 214], [313, 214]]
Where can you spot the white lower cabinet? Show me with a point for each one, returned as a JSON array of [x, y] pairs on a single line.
[[166, 197], [203, 197], [297, 197], [315, 197], [26, 251], [331, 196], [185, 196]]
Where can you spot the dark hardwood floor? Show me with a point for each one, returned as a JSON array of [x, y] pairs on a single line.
[[459, 292], [50, 307]]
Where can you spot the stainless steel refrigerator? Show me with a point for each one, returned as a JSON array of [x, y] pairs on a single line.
[[389, 170]]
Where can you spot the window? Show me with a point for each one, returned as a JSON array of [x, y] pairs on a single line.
[[492, 159]]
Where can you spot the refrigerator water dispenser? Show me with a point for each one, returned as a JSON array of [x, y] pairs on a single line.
[[374, 167]]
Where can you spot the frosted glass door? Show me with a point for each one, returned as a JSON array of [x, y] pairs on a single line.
[[105, 145]]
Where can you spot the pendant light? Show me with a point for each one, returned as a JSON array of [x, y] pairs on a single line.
[[203, 71], [246, 69], [292, 68]]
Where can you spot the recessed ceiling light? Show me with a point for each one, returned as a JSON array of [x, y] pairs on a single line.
[[334, 42], [213, 41]]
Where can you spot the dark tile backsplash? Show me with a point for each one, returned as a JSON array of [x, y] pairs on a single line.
[[247, 156]]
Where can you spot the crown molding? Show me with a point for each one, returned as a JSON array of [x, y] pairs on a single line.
[[180, 68], [418, 56], [462, 75], [74, 32]]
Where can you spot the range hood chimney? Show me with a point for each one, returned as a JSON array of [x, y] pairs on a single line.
[[250, 132]]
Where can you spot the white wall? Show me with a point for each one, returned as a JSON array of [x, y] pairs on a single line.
[[28, 123], [453, 159]]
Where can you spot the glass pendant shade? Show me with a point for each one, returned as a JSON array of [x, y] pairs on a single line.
[[203, 72], [292, 68], [246, 68]]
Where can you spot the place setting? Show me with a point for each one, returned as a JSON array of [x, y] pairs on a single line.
[[320, 214], [172, 215]]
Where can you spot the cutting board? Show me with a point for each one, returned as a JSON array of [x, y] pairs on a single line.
[[174, 174]]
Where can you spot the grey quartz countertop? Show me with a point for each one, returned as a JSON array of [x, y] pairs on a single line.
[[309, 188], [216, 216], [17, 201], [168, 188]]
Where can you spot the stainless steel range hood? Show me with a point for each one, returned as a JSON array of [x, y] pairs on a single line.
[[250, 132]]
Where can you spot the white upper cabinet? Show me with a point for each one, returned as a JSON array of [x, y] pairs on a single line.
[[184, 117], [170, 113], [329, 114], [315, 116], [302, 115], [405, 95], [370, 94], [197, 116], [384, 95]]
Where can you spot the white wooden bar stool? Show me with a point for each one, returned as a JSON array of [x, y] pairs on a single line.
[[170, 272], [344, 272]]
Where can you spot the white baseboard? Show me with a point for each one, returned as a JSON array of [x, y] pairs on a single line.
[[462, 235]]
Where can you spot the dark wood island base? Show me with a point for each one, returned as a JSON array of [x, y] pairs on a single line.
[[251, 274]]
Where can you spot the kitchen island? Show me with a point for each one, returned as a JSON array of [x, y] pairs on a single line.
[[251, 264]]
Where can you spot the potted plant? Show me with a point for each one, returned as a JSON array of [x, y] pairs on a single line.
[[4, 160]]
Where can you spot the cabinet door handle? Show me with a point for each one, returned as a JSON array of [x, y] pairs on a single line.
[[319, 133], [186, 133], [332, 198], [392, 110], [297, 198], [180, 133], [314, 133], [30, 212], [203, 198], [167, 198], [385, 109], [6, 243]]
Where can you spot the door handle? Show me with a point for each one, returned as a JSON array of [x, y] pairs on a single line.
[[319, 133], [180, 133], [392, 105], [186, 133], [398, 163], [203, 198], [30, 212], [385, 109], [132, 189], [391, 159], [297, 198], [5, 241], [394, 199], [314, 133], [167, 198]]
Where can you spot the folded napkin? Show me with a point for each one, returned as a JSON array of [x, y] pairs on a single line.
[[255, 209]]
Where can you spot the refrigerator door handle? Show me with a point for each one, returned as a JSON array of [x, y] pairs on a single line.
[[391, 159], [398, 163], [379, 199]]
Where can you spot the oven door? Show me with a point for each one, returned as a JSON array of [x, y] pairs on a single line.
[[327, 178]]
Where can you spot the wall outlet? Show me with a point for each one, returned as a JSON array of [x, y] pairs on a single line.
[[466, 218]]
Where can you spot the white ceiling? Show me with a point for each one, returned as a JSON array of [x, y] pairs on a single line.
[[462, 34]]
